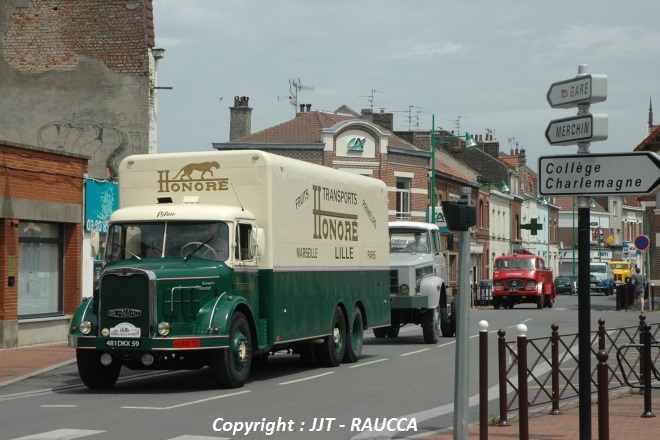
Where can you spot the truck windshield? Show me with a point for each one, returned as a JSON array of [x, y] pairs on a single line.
[[510, 264], [136, 241], [410, 241]]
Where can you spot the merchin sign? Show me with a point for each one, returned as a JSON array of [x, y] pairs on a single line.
[[599, 174]]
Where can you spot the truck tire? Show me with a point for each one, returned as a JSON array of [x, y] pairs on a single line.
[[539, 302], [331, 352], [496, 303], [355, 337], [446, 327], [231, 367], [93, 373], [431, 323], [381, 332]]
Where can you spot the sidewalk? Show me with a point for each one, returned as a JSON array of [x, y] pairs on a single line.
[[625, 408], [20, 363]]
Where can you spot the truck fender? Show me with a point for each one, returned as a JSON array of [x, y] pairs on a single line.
[[430, 287], [218, 312], [84, 312]]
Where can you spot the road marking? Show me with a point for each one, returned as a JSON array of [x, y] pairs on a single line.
[[58, 406], [446, 343], [194, 402], [60, 434], [368, 363], [414, 352], [305, 378]]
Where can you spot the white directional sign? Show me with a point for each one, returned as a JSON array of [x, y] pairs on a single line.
[[583, 89], [579, 128], [599, 174]]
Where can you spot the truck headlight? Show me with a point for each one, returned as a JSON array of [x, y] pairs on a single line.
[[404, 289], [85, 327], [164, 328]]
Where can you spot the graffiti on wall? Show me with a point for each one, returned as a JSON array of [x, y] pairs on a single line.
[[105, 144]]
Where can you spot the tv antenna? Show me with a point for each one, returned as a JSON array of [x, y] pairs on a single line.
[[411, 117], [371, 97], [294, 87], [513, 142], [457, 123]]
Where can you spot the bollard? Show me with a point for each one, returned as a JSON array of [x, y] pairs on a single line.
[[554, 340], [642, 377], [601, 334], [646, 355], [483, 380], [523, 399], [502, 357], [603, 402]]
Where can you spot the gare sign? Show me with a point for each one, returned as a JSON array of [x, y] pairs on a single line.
[[599, 174], [583, 89]]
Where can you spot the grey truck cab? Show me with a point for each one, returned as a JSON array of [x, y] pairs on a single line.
[[418, 282]]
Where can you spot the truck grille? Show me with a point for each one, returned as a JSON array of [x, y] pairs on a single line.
[[124, 299], [394, 281], [515, 284]]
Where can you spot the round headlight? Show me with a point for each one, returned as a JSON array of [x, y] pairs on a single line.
[[85, 327], [105, 332], [164, 328], [404, 289]]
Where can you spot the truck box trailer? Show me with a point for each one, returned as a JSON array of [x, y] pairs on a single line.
[[218, 258]]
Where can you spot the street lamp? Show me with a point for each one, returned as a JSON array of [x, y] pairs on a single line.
[[504, 188], [469, 143]]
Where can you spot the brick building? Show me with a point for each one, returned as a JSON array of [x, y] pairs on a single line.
[[40, 242], [76, 81], [75, 84]]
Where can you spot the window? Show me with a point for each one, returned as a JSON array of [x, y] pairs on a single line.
[[402, 198], [40, 269], [244, 250]]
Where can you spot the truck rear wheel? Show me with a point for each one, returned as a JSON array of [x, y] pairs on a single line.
[[231, 366], [453, 317], [93, 373], [355, 337], [431, 324], [331, 352], [539, 302]]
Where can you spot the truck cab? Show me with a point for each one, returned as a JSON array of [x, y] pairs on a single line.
[[603, 277], [621, 270], [522, 277], [418, 282]]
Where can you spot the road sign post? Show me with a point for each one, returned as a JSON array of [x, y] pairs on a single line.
[[566, 179]]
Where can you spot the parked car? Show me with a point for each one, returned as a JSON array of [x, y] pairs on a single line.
[[486, 284], [564, 284]]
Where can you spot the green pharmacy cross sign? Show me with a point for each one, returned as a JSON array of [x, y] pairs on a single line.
[[533, 226]]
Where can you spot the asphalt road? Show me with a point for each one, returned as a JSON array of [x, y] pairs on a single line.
[[403, 383]]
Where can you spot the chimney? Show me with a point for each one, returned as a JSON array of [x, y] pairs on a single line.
[[302, 108], [382, 119], [308, 107], [240, 118]]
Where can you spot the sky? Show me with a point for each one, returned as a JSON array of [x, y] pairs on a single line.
[[471, 66]]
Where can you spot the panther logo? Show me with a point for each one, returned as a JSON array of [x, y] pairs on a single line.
[[204, 167]]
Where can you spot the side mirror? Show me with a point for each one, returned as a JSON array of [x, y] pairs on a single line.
[[94, 242]]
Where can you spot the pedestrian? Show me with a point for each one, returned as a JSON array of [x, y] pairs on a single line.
[[639, 281]]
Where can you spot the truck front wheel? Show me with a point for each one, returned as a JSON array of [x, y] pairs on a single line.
[[431, 324], [93, 373], [231, 366], [331, 352]]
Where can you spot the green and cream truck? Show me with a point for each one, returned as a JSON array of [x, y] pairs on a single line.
[[221, 258]]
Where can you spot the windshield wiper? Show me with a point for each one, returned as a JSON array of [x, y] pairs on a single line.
[[201, 245], [126, 250]]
